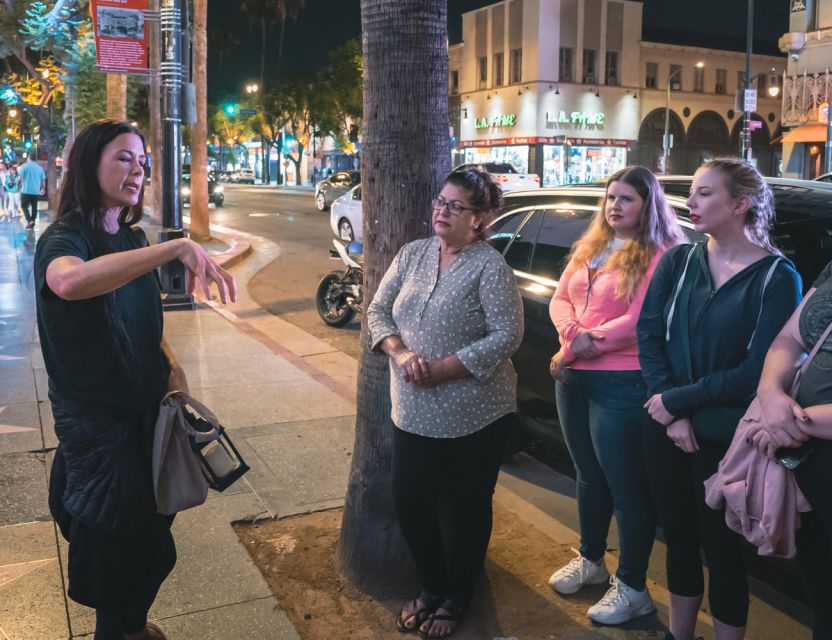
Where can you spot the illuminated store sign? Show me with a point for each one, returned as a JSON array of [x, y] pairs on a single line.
[[574, 118], [501, 120]]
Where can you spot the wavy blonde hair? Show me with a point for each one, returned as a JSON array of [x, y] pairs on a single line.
[[658, 230]]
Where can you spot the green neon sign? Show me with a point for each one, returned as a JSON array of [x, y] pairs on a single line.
[[496, 122], [575, 117]]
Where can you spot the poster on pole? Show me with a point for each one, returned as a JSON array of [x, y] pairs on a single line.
[[120, 35]]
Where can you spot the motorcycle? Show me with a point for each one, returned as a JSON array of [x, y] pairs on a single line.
[[340, 293]]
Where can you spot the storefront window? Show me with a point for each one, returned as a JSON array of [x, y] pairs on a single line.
[[517, 157], [553, 165], [591, 164]]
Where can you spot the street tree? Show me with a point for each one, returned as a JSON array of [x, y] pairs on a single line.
[[273, 105], [406, 151], [265, 13], [340, 87], [221, 41]]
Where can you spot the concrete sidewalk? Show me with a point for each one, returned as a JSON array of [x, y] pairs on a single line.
[[287, 399]]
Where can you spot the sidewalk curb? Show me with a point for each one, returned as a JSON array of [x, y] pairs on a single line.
[[238, 250]]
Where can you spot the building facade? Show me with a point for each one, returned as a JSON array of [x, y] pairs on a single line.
[[569, 90], [807, 87]]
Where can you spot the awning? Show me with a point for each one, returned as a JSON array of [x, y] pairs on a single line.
[[806, 133]]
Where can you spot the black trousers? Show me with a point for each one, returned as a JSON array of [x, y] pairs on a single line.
[[814, 537], [467, 468], [29, 204], [676, 482]]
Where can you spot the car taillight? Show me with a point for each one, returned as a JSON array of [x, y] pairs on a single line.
[[501, 178], [535, 177]]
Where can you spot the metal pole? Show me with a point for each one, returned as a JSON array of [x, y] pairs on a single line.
[[174, 285], [666, 138], [745, 145], [827, 154]]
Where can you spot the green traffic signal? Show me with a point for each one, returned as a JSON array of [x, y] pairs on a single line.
[[230, 109], [27, 144]]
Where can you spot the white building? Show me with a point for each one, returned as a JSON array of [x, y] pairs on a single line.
[[567, 89], [807, 88]]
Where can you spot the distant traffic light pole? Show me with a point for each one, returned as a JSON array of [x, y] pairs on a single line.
[[174, 280]]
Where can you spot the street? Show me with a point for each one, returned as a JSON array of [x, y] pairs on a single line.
[[286, 288]]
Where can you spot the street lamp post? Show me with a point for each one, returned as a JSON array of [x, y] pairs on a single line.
[[666, 138], [745, 144]]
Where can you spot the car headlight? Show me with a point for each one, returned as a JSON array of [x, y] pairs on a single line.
[[186, 191]]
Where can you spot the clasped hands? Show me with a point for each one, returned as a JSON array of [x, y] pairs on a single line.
[[583, 346], [784, 424], [679, 430], [418, 370]]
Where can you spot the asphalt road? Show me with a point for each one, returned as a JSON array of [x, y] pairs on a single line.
[[287, 287]]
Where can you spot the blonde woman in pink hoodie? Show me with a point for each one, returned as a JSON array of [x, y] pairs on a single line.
[[599, 389]]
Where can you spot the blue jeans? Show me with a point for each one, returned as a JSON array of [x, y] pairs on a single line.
[[601, 413]]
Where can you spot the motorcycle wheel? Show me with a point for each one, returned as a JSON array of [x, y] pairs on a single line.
[[332, 306]]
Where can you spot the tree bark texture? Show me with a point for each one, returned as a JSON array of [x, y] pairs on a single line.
[[406, 155], [200, 229], [117, 96], [153, 199]]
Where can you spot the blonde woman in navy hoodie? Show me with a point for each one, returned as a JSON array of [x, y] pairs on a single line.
[[709, 317]]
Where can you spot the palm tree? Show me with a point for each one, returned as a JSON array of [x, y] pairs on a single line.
[[199, 130], [222, 40], [265, 13], [405, 82]]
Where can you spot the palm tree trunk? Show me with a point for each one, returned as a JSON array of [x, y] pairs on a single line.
[[262, 50], [405, 81], [280, 46], [117, 96], [200, 229]]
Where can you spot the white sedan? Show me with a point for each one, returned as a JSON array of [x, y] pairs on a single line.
[[345, 216]]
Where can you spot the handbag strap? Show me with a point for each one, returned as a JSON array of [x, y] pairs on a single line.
[[805, 364], [202, 410]]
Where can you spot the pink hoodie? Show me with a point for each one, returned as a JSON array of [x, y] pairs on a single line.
[[577, 306]]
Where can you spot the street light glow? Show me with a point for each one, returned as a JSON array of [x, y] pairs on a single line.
[[12, 113], [700, 65]]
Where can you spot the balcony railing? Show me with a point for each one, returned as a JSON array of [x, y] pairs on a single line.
[[803, 96]]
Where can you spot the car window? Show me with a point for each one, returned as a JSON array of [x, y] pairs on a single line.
[[356, 194], [559, 230], [499, 167], [355, 178], [502, 230]]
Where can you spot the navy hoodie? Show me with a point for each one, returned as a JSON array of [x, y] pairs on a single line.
[[726, 361]]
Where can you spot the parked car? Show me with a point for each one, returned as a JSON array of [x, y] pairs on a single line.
[[535, 231], [345, 216], [243, 176], [826, 177], [216, 192], [506, 175], [333, 187]]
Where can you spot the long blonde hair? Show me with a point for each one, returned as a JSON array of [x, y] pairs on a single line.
[[658, 230]]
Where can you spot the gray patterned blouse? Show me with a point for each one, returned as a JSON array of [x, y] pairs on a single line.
[[472, 309]]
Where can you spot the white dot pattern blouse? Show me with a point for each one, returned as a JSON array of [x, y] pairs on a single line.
[[471, 309]]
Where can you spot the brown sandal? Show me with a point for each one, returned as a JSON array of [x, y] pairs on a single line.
[[418, 614]]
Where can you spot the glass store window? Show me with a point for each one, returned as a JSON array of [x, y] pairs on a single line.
[[516, 156], [590, 164], [554, 161]]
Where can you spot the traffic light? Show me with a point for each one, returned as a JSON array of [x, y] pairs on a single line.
[[230, 108], [27, 144]]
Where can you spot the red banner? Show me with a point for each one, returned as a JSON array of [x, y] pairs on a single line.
[[120, 35]]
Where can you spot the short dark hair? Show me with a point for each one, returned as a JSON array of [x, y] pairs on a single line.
[[482, 190], [81, 192]]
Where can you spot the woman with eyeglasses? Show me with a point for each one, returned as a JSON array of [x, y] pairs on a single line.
[[448, 315]]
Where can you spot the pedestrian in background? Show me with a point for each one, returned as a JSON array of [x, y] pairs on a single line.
[[101, 332], [802, 428], [449, 316], [13, 192], [32, 186], [4, 203], [599, 390], [709, 316]]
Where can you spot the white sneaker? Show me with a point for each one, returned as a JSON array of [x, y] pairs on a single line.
[[577, 573], [620, 604]]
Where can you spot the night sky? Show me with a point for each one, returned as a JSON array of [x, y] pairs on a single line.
[[324, 25]]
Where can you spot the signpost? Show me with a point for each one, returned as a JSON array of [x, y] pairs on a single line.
[[120, 35]]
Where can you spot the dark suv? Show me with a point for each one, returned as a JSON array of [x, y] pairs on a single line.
[[334, 187], [535, 231]]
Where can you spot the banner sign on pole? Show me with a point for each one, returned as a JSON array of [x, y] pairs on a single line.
[[750, 100], [120, 35]]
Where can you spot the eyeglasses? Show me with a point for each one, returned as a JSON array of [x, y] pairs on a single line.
[[454, 208]]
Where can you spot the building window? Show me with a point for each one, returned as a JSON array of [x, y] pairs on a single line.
[[651, 75], [499, 79], [567, 64], [740, 79], [611, 68], [721, 79], [483, 72], [454, 81], [589, 66], [675, 77], [516, 65], [761, 84], [698, 79]]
